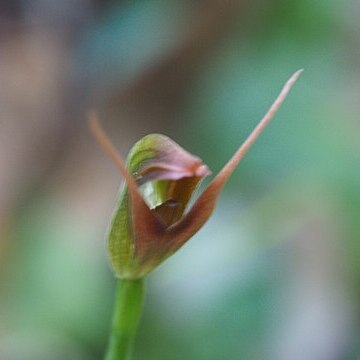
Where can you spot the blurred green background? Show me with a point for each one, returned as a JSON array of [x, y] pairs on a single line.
[[275, 273]]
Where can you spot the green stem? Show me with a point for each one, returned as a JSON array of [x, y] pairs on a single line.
[[127, 313]]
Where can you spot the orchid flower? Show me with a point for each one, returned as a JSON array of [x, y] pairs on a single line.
[[150, 221]]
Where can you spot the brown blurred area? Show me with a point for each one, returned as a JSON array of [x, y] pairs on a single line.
[[44, 139]]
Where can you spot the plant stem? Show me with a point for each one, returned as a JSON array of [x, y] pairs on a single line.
[[127, 313]]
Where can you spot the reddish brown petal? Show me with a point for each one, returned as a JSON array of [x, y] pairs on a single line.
[[146, 225], [181, 231], [157, 157]]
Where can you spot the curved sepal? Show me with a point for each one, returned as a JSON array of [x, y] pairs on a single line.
[[191, 222]]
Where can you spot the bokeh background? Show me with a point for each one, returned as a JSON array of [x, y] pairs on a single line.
[[275, 273]]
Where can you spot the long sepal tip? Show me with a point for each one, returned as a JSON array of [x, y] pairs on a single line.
[[203, 207], [227, 170]]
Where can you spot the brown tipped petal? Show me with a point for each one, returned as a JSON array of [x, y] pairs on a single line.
[[146, 225], [181, 231]]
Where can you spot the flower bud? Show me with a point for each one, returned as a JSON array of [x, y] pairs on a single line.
[[166, 176]]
